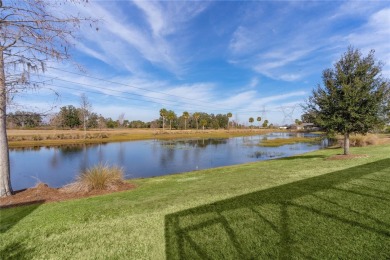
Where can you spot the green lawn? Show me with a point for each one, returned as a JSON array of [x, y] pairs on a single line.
[[297, 207]]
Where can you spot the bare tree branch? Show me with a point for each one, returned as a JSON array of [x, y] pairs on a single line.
[[32, 32]]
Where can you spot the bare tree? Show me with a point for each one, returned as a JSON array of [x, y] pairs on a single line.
[[55, 120], [31, 33], [85, 111], [121, 119]]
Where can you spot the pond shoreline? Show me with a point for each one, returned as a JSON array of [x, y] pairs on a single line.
[[59, 165], [48, 138]]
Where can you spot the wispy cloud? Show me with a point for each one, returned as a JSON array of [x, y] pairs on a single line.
[[168, 17], [272, 64], [124, 42], [379, 25], [193, 56], [243, 41], [150, 95], [289, 49], [254, 82], [155, 52]]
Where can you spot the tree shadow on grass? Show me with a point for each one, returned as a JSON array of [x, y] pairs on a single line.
[[17, 251], [317, 218], [11, 216]]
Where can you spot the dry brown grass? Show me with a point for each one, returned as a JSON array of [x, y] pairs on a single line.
[[99, 177], [360, 140], [28, 138]]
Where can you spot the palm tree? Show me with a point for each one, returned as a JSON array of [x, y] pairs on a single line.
[[196, 116], [186, 115], [258, 120], [203, 123], [170, 116], [163, 114], [229, 115], [251, 120]]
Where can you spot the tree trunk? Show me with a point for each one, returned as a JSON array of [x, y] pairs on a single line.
[[170, 124], [5, 182], [185, 124], [163, 123], [85, 126], [346, 143]]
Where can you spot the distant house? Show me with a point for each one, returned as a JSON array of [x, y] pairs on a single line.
[[296, 127], [304, 126], [309, 126]]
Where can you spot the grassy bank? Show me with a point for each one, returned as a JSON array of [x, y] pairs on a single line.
[[299, 207], [31, 138]]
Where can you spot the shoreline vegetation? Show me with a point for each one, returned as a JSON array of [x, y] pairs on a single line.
[[37, 137], [51, 138]]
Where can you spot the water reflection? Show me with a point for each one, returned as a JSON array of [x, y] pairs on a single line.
[[191, 143], [263, 154], [58, 166]]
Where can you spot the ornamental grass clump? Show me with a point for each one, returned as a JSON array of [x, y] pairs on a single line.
[[361, 140], [99, 177]]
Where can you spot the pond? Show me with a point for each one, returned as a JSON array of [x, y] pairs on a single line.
[[58, 166]]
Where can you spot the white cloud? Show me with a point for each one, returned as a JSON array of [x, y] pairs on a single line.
[[375, 34], [299, 47], [254, 82], [155, 52], [273, 99], [123, 44], [237, 101], [154, 15], [167, 17], [243, 41], [269, 52], [112, 99]]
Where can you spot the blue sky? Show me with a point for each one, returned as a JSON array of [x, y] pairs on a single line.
[[251, 58]]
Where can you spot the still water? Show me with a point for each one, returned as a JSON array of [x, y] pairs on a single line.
[[58, 166]]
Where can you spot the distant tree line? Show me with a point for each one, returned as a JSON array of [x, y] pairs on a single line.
[[24, 119], [198, 120], [71, 117]]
